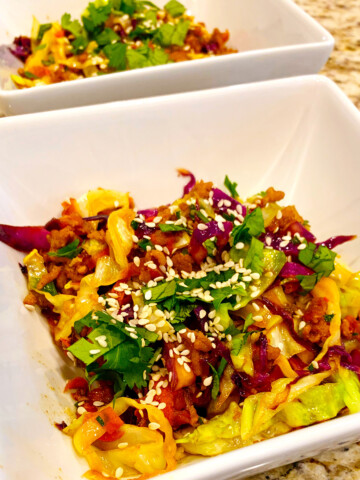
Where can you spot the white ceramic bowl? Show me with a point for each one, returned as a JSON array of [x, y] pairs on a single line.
[[300, 135], [275, 39]]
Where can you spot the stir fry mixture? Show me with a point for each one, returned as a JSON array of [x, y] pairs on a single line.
[[202, 326], [113, 35]]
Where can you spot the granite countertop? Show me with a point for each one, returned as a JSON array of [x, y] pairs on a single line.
[[342, 19]]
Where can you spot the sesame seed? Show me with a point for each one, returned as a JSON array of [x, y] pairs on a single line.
[[29, 307], [239, 245], [133, 335], [98, 404], [199, 394], [137, 261], [135, 239], [208, 381], [159, 248], [151, 327], [185, 352], [315, 364], [81, 410], [94, 352], [202, 226], [279, 214], [254, 294], [302, 324], [258, 318], [170, 376], [153, 426], [255, 275], [256, 306], [119, 472], [284, 243], [302, 246], [148, 295], [71, 356], [247, 278], [187, 368], [123, 445], [161, 406]]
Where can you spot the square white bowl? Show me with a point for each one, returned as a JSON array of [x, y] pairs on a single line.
[[300, 135], [275, 39]]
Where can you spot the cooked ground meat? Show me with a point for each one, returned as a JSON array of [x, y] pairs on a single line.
[[316, 329], [350, 327]]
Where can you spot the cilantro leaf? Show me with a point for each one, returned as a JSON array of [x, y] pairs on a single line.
[[44, 27], [168, 34], [248, 321], [181, 30], [116, 54], [252, 226], [50, 288], [164, 227], [231, 186], [127, 6], [238, 343], [255, 256], [329, 317], [72, 26], [107, 36], [79, 45], [71, 250], [30, 75], [98, 15], [175, 8], [210, 246], [161, 291], [318, 258], [144, 243], [50, 61], [216, 377]]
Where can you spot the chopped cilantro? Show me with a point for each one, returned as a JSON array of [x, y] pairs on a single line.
[[238, 343], [72, 26], [311, 367], [123, 356], [134, 225], [100, 420], [175, 8], [30, 75], [107, 36], [248, 321], [50, 288], [231, 186], [50, 61], [96, 15], [79, 45], [252, 226], [168, 34], [71, 250], [164, 227], [202, 217], [210, 246], [318, 258], [329, 317], [144, 243], [44, 27], [116, 54], [255, 256], [216, 377]]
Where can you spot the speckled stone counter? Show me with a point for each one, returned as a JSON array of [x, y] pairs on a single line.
[[342, 19]]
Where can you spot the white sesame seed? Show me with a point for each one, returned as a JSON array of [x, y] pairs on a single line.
[[133, 335], [208, 381], [94, 352], [161, 406], [81, 410], [302, 324], [151, 327], [315, 364], [137, 261], [256, 306], [123, 445], [202, 226], [187, 368], [284, 243], [153, 426], [239, 245], [135, 239], [148, 295], [119, 472], [302, 246], [278, 214], [98, 404], [29, 307], [199, 394], [71, 356], [258, 318]]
